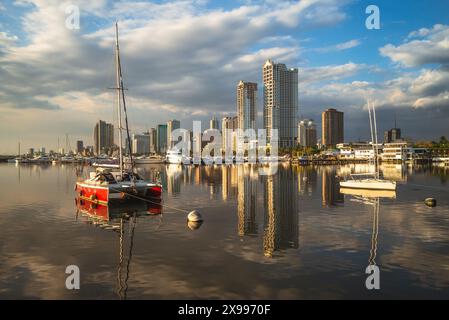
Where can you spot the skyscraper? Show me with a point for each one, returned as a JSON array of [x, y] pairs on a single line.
[[161, 146], [140, 143], [153, 140], [103, 137], [228, 126], [307, 133], [246, 105], [332, 127], [280, 94], [171, 125], [79, 146], [214, 124]]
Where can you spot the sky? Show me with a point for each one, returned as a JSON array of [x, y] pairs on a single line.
[[183, 60]]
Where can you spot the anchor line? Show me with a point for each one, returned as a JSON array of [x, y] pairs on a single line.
[[149, 201]]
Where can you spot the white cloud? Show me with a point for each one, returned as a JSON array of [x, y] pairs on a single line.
[[431, 47], [340, 46]]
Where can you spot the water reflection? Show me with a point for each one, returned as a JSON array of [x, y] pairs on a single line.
[[291, 235], [331, 195], [247, 193], [281, 222], [122, 219]]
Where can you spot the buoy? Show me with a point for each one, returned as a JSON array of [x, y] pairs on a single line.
[[430, 202], [194, 216]]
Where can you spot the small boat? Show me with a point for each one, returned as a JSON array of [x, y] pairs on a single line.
[[389, 194], [40, 160], [107, 184], [149, 160], [370, 181], [175, 156]]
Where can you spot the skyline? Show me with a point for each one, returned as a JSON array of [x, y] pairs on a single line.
[[199, 50]]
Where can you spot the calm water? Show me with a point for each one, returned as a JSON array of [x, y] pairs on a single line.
[[292, 235]]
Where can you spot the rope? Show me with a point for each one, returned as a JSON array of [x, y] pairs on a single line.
[[149, 201]]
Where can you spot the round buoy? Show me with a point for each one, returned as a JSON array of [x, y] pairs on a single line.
[[194, 216], [430, 202]]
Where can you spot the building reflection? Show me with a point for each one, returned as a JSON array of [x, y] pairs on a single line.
[[307, 179], [174, 173], [281, 222], [246, 201], [330, 188]]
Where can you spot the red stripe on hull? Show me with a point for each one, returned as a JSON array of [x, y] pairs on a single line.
[[99, 194]]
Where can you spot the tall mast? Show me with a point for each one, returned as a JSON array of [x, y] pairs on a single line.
[[375, 136], [118, 87]]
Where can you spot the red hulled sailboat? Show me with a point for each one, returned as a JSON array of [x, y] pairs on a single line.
[[106, 184]]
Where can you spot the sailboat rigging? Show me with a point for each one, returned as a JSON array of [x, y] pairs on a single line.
[[105, 184], [371, 180]]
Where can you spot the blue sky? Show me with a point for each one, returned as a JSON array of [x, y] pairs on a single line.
[[182, 59]]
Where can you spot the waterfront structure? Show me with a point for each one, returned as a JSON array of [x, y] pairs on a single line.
[[103, 137], [214, 124], [171, 126], [246, 105], [307, 136], [79, 146], [161, 146], [280, 94], [332, 128]]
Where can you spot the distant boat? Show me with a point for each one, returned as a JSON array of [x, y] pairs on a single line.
[[175, 156], [149, 160], [372, 180], [106, 184]]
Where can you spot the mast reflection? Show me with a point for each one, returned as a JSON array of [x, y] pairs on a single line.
[[120, 218]]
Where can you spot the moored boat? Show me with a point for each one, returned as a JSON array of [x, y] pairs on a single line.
[[106, 184]]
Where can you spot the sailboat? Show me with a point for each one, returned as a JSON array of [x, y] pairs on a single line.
[[106, 184], [371, 180]]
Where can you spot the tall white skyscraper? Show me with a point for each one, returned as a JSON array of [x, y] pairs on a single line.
[[280, 94]]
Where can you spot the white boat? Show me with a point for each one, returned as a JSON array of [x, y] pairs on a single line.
[[175, 156], [149, 160], [370, 181], [364, 193], [40, 159]]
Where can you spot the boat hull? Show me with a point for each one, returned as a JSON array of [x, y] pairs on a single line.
[[369, 185], [105, 194]]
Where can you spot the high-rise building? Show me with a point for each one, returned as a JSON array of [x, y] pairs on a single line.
[[229, 126], [392, 135], [332, 127], [140, 143], [246, 105], [161, 146], [280, 94], [214, 124], [79, 146], [172, 125], [153, 140], [307, 133], [103, 137]]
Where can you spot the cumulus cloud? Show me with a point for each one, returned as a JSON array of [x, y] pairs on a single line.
[[425, 46]]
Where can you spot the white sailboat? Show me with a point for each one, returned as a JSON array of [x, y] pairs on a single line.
[[372, 180]]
